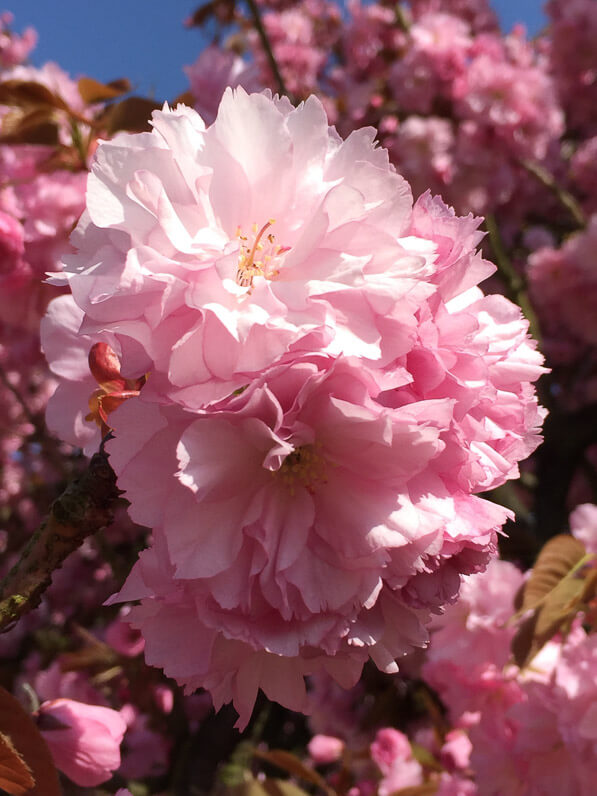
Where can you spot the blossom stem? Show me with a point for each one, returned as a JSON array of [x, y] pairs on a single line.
[[266, 44], [28, 414], [515, 285], [84, 507], [565, 197], [402, 18]]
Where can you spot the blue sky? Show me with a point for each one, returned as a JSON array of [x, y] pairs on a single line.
[[145, 40]]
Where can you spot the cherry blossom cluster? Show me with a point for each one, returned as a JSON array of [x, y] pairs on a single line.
[[311, 390], [532, 730]]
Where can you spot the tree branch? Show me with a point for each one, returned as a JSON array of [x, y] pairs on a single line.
[[266, 44], [84, 507]]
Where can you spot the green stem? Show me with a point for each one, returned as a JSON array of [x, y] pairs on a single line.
[[515, 284], [564, 197]]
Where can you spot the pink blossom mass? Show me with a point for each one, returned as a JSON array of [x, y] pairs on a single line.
[[308, 391]]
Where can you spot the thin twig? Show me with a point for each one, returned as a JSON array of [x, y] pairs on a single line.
[[565, 197], [515, 284], [266, 44], [402, 19], [590, 474], [84, 507], [20, 400]]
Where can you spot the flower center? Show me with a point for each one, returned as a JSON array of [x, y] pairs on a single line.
[[305, 467], [255, 258]]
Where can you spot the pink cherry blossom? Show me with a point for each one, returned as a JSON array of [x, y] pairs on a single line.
[[14, 48], [389, 745], [285, 267], [572, 30], [563, 285], [478, 13], [505, 87], [392, 753], [291, 451]]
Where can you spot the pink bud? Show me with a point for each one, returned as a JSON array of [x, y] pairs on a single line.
[[325, 749], [84, 740], [105, 365]]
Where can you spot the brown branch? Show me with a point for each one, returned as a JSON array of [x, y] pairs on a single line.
[[86, 506], [266, 44]]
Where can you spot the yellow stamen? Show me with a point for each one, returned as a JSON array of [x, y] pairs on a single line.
[[303, 467], [255, 260]]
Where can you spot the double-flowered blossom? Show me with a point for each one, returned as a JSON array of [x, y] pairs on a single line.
[[306, 389]]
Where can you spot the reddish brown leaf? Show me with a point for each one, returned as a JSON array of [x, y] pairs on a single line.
[[26, 93], [292, 765], [267, 787], [132, 114], [221, 10], [281, 787], [556, 590], [93, 91], [15, 774], [184, 99], [30, 127], [18, 725], [557, 558], [427, 789]]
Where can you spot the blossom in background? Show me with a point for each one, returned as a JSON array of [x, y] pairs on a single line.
[[14, 48], [327, 391], [324, 749], [213, 71], [392, 753], [531, 730]]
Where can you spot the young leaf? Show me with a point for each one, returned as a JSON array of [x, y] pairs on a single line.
[[427, 789], [26, 739], [132, 114], [30, 127], [27, 93], [555, 592], [291, 764], [557, 558], [93, 91], [281, 787], [267, 787]]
